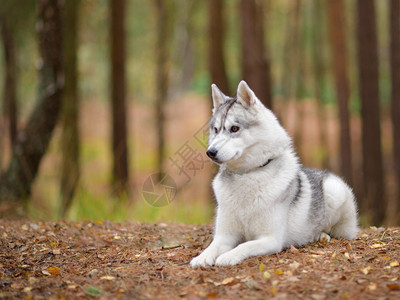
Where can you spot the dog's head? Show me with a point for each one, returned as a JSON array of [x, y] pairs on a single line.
[[243, 132]]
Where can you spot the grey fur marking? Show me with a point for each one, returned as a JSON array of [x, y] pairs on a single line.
[[230, 102], [317, 209], [298, 189]]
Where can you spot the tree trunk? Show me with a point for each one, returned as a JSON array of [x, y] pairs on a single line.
[[70, 168], [162, 77], [216, 46], [10, 79], [184, 53], [255, 65], [118, 95], [337, 27], [291, 49], [296, 69], [395, 77], [319, 66], [2, 129], [369, 91], [32, 142]]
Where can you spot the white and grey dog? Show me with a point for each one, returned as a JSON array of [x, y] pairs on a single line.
[[266, 200]]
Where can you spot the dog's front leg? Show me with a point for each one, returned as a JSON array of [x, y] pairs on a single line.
[[262, 246], [219, 245]]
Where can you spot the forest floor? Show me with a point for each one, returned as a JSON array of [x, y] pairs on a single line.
[[103, 260]]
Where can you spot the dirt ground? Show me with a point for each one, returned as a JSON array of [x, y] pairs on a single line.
[[103, 260]]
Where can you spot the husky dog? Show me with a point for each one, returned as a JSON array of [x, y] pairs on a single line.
[[266, 200]]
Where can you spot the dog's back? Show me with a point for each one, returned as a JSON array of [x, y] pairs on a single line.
[[323, 204]]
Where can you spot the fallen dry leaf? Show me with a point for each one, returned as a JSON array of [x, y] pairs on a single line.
[[228, 280], [261, 267], [366, 270], [394, 286], [45, 272], [53, 270], [273, 291], [212, 295], [394, 263], [110, 278], [278, 271], [267, 275], [294, 266], [292, 279]]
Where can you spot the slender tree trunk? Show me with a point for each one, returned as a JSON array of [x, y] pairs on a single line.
[[183, 53], [118, 95], [395, 72], [296, 70], [2, 129], [292, 49], [290, 55], [299, 85], [162, 77], [70, 168], [216, 46], [10, 79], [369, 92], [319, 67], [337, 27], [32, 142], [255, 65]]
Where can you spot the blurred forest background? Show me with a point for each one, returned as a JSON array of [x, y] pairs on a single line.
[[98, 97]]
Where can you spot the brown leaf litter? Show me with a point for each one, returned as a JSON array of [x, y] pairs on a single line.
[[86, 260]]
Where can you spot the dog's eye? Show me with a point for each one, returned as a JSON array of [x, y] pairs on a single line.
[[215, 129], [235, 129]]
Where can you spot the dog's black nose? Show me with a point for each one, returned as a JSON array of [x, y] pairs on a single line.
[[211, 153]]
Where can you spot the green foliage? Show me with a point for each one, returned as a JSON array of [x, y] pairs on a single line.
[[93, 291], [90, 206], [93, 207], [201, 84]]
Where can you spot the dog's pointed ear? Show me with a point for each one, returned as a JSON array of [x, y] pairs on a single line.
[[217, 96], [245, 95]]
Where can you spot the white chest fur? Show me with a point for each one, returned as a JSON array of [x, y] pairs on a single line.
[[250, 204]]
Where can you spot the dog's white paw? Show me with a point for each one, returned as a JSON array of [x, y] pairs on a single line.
[[204, 259], [228, 259], [324, 237]]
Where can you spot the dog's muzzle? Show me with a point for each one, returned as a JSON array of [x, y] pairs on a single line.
[[212, 153]]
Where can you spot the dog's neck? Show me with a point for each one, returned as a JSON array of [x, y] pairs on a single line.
[[240, 171]]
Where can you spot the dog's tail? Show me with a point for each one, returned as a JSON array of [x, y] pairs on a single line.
[[341, 208]]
